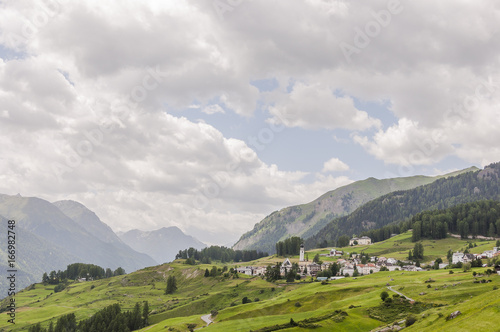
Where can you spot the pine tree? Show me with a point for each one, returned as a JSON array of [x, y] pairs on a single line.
[[145, 314], [171, 285]]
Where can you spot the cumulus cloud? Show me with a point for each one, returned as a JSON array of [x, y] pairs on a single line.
[[86, 96], [315, 107], [406, 143], [335, 165], [212, 109]]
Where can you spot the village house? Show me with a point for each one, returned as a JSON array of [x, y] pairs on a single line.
[[335, 253], [364, 240], [248, 270], [285, 267], [392, 261], [259, 271], [460, 257], [313, 268], [347, 270]]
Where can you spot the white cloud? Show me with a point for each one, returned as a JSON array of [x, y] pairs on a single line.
[[406, 143], [315, 107], [212, 109], [334, 165], [130, 61]]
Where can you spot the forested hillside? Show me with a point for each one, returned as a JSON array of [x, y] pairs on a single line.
[[403, 205], [308, 219], [470, 219]]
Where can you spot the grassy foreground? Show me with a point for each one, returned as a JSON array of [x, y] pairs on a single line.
[[351, 304]]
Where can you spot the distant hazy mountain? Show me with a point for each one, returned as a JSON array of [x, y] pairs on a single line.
[[307, 219], [34, 256], [162, 244], [88, 220], [49, 239]]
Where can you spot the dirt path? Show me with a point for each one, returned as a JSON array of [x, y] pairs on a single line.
[[401, 294], [477, 237], [206, 319]]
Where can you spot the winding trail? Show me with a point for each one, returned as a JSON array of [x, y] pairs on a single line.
[[401, 294]]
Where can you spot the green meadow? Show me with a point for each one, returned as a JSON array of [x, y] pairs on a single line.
[[350, 304]]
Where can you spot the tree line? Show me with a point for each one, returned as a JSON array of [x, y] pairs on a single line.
[[470, 219], [217, 253], [480, 218], [111, 319], [80, 270], [290, 246], [400, 206]]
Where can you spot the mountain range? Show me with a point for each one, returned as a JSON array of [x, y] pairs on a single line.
[[49, 236], [162, 244], [307, 220], [472, 186]]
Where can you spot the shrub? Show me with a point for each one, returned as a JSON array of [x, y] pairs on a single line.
[[214, 312], [451, 272], [298, 305], [59, 288], [410, 320], [245, 300], [384, 295], [256, 299]]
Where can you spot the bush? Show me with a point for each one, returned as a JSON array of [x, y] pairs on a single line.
[[451, 272], [298, 305], [59, 288], [214, 312], [245, 300], [384, 295], [410, 320]]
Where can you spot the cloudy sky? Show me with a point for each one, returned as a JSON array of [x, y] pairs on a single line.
[[210, 114]]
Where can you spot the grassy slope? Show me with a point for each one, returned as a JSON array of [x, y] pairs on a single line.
[[398, 246], [475, 301], [197, 295]]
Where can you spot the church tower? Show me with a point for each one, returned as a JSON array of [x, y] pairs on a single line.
[[302, 252]]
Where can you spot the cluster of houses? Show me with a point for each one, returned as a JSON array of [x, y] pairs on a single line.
[[460, 257], [354, 263]]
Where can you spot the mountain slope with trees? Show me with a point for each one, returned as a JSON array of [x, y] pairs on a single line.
[[403, 205], [308, 219]]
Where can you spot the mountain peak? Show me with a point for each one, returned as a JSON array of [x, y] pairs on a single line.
[[161, 244]]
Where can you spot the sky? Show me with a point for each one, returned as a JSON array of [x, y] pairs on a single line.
[[209, 115]]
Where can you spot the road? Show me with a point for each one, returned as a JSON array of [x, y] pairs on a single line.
[[401, 294], [207, 319]]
